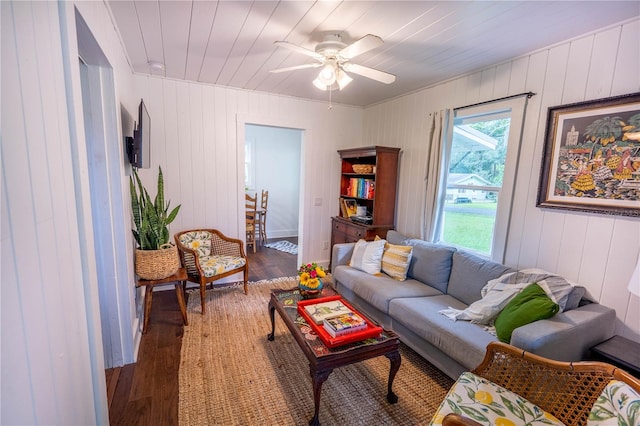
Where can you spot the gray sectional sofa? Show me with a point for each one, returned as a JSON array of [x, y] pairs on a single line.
[[440, 277]]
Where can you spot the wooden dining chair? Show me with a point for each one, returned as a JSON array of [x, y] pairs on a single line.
[[262, 217], [251, 205]]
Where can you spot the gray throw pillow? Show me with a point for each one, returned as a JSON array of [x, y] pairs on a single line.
[[430, 263], [470, 273], [394, 237]]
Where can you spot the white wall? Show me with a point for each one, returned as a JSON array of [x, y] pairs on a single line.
[[51, 351], [199, 134], [597, 251], [52, 371], [276, 159]]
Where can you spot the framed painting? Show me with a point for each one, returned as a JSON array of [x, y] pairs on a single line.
[[352, 207], [591, 157]]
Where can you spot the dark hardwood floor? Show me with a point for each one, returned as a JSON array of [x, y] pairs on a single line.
[[146, 393]]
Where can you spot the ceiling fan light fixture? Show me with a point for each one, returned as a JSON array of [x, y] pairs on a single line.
[[328, 73], [319, 84], [334, 56], [343, 79]]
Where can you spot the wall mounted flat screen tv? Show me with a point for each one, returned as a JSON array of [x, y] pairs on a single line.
[[139, 147]]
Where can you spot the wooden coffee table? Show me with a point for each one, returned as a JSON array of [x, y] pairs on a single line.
[[322, 360]]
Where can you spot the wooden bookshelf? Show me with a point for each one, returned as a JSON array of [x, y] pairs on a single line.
[[379, 201]]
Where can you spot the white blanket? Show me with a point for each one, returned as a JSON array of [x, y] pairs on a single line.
[[497, 293]]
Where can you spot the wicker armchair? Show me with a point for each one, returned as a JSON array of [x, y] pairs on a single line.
[[208, 255], [567, 390]]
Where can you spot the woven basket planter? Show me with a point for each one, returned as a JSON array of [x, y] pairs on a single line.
[[157, 264]]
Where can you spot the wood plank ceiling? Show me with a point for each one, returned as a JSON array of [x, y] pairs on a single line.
[[231, 43]]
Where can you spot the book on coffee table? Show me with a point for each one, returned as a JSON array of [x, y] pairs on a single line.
[[325, 310], [344, 324], [370, 330]]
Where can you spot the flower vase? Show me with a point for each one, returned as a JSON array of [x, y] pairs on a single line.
[[310, 293]]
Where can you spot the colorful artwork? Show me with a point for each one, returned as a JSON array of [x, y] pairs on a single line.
[[591, 160]]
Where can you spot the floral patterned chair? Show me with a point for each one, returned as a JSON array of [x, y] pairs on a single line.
[[513, 387], [208, 255]]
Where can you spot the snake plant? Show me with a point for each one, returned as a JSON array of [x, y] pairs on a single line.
[[151, 218]]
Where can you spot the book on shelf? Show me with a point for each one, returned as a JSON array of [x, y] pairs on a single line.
[[321, 311], [344, 324], [361, 188]]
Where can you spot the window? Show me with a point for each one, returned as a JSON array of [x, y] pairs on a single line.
[[483, 158]]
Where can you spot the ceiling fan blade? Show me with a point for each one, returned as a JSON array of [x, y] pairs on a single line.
[[296, 67], [381, 76], [300, 49], [361, 46]]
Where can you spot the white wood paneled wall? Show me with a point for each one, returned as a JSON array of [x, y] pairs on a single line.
[[47, 374], [195, 138], [52, 366], [41, 284], [596, 251]]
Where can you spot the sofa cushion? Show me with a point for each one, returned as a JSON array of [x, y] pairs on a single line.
[[617, 405], [488, 403], [378, 291], [367, 256], [430, 263], [463, 341], [469, 273], [217, 265], [200, 241], [531, 304], [396, 260], [394, 237]]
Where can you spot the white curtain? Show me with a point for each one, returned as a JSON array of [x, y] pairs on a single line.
[[440, 126], [634, 281]]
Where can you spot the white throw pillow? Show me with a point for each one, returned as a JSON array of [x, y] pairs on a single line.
[[367, 256]]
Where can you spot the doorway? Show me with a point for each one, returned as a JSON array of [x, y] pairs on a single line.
[[273, 156], [107, 206]]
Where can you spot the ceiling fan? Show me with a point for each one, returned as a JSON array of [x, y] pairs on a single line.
[[334, 56]]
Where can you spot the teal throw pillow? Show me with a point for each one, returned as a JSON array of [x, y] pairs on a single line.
[[531, 304]]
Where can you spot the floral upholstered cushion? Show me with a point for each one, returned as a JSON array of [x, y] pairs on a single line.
[[216, 265], [490, 404], [618, 404], [199, 241]]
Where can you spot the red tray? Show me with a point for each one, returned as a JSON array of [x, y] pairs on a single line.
[[372, 329]]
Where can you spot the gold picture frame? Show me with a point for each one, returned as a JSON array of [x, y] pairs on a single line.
[[351, 206], [591, 157]]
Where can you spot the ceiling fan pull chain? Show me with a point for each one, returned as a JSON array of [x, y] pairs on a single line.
[[330, 106]]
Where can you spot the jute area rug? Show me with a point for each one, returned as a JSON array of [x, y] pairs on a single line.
[[230, 374]]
